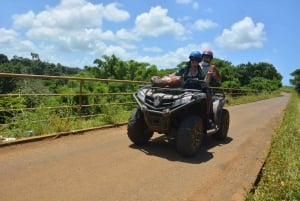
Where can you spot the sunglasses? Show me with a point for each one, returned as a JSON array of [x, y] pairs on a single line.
[[194, 59], [206, 56]]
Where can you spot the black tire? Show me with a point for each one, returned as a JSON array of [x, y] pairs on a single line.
[[137, 130], [224, 126], [190, 135]]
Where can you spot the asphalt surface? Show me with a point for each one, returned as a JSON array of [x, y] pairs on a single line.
[[105, 165]]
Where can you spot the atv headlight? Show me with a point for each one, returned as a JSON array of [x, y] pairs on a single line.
[[141, 95], [181, 101]]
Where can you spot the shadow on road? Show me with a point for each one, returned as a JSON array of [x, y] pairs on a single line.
[[166, 148]]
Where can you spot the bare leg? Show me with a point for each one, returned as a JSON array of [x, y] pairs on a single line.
[[210, 120], [208, 103]]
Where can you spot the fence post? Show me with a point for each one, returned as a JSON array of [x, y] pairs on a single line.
[[80, 99]]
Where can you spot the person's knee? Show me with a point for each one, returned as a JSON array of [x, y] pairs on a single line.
[[208, 95]]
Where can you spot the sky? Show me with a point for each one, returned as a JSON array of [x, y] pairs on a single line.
[[76, 32]]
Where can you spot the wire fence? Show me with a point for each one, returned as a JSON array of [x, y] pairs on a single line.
[[75, 102]]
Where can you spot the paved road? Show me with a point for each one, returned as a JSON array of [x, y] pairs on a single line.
[[104, 165]]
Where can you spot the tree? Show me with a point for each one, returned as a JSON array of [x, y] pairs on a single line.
[[296, 80], [3, 58], [229, 74], [263, 84], [249, 71], [234, 83], [133, 66], [106, 66], [35, 56], [244, 73]]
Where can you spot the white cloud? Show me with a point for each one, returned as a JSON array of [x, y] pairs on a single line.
[[113, 13], [27, 45], [71, 27], [7, 36], [12, 45], [152, 49], [243, 35], [204, 24], [25, 20], [71, 3], [73, 24], [156, 22], [123, 34], [172, 58], [195, 4], [116, 50], [81, 15]]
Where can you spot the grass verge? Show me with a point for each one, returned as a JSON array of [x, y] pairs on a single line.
[[280, 176], [251, 98], [29, 124]]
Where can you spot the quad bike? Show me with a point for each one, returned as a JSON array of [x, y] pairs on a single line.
[[179, 113]]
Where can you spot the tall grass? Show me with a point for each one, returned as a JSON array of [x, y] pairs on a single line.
[[280, 178], [42, 122]]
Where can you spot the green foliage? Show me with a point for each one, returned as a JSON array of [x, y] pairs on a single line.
[[9, 108], [288, 89], [114, 68], [247, 72], [12, 102], [3, 59], [30, 123], [113, 114], [8, 85], [29, 66], [296, 80], [263, 84], [231, 84]]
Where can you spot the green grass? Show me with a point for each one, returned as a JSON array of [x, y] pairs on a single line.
[[280, 176], [27, 124], [251, 98]]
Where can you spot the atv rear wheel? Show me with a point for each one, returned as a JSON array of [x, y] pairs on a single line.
[[190, 135], [137, 130], [224, 126]]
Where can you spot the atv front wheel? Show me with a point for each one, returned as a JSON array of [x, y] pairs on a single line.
[[137, 130], [224, 126], [190, 135]]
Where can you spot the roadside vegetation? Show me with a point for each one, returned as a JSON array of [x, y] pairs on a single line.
[[30, 124], [252, 98], [280, 175], [28, 114]]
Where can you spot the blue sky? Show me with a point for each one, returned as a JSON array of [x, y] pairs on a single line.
[[76, 32]]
